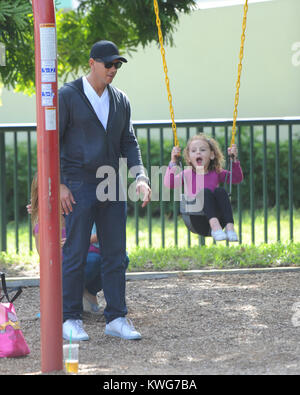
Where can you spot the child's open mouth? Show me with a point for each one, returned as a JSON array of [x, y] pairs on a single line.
[[199, 161]]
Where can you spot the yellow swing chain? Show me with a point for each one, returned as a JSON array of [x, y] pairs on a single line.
[[238, 83], [163, 52]]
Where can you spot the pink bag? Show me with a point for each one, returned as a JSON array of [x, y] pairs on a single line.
[[12, 342]]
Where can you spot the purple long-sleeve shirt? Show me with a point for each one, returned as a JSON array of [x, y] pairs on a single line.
[[63, 235], [195, 182]]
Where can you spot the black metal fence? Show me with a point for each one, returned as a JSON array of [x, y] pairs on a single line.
[[280, 131]]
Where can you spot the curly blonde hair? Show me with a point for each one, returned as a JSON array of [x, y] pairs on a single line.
[[215, 164]]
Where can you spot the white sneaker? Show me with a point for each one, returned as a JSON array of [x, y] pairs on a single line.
[[231, 235], [78, 333], [122, 327], [218, 235]]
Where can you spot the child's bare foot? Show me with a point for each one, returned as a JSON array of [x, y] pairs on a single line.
[[215, 224]]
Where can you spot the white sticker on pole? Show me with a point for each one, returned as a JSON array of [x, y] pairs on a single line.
[[48, 41], [47, 95], [48, 71], [50, 118]]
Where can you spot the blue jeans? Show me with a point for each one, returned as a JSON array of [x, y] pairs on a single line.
[[110, 219], [92, 272]]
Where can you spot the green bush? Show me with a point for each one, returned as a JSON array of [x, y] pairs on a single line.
[[271, 164], [23, 184]]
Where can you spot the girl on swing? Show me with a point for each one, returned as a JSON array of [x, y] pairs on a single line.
[[203, 154]]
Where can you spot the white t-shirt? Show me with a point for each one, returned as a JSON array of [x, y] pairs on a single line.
[[100, 103]]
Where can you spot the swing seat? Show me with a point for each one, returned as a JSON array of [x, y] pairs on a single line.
[[187, 208]]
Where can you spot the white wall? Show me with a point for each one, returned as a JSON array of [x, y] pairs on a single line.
[[203, 68]]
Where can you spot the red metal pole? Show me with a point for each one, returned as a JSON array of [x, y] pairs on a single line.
[[48, 184]]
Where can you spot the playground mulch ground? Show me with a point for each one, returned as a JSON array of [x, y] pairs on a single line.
[[191, 325]]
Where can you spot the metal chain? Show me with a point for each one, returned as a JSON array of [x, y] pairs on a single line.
[[163, 52], [238, 83]]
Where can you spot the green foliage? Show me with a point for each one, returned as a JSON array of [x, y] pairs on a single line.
[[173, 258], [271, 166], [22, 178], [215, 257], [19, 264], [16, 33], [126, 22], [155, 160]]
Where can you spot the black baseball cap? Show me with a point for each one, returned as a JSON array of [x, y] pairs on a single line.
[[106, 51]]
